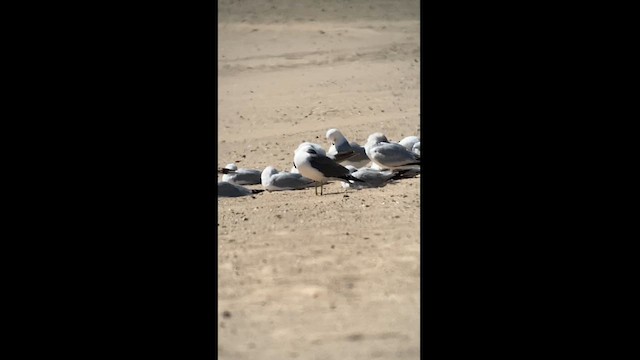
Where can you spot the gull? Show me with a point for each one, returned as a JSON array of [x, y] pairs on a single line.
[[389, 155], [319, 168], [340, 148], [240, 176], [272, 180], [371, 178], [360, 159], [408, 142], [316, 147], [319, 150], [401, 174], [227, 189], [345, 152]]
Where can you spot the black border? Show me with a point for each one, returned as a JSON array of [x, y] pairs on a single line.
[[129, 96], [213, 263]]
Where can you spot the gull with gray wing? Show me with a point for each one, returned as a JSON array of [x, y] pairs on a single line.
[[408, 142], [227, 189], [272, 180], [240, 176], [345, 152], [389, 155], [371, 178]]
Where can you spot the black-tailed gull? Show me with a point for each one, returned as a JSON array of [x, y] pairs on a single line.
[[319, 168]]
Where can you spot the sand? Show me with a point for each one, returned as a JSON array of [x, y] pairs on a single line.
[[317, 277]]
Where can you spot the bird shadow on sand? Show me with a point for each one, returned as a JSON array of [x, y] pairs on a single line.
[[332, 194]]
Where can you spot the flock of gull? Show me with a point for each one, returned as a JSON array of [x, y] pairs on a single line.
[[375, 164]]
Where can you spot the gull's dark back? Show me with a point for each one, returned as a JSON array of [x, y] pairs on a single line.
[[330, 168], [327, 166]]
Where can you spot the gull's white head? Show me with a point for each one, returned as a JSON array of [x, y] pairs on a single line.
[[408, 142], [265, 177], [307, 145], [338, 141], [416, 148], [374, 139], [231, 167], [334, 135], [377, 138]]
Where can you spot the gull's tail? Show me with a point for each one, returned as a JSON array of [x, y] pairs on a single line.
[[352, 179], [405, 174]]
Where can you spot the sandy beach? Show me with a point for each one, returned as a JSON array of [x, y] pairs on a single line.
[[302, 276]]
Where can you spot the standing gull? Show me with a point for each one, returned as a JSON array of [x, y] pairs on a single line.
[[389, 155], [319, 150], [240, 176], [272, 180], [319, 168]]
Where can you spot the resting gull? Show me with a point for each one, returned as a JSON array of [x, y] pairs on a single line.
[[227, 189], [272, 180], [371, 178], [408, 142], [345, 152], [389, 155], [240, 176]]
